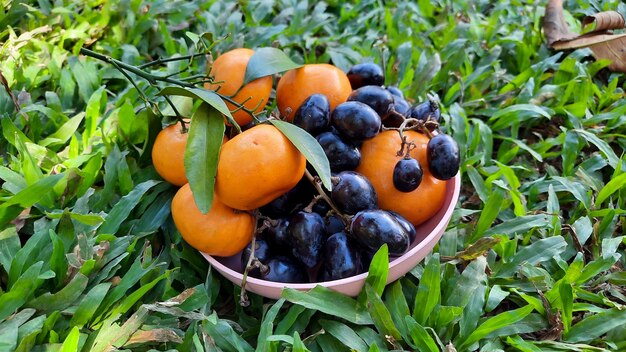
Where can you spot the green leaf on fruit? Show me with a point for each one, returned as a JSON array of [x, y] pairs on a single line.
[[309, 147], [206, 133], [267, 61], [206, 96]]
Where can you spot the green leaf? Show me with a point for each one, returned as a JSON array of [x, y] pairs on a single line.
[[428, 291], [58, 263], [345, 334], [267, 61], [420, 337], [89, 304], [9, 247], [267, 326], [594, 326], [379, 270], [122, 209], [309, 147], [21, 291], [519, 225], [616, 184], [603, 146], [466, 285], [494, 323], [48, 302], [206, 134], [519, 112], [298, 346], [33, 193], [207, 96], [330, 302], [537, 252], [225, 336], [489, 213], [380, 314], [398, 307], [65, 132], [71, 341], [566, 298]]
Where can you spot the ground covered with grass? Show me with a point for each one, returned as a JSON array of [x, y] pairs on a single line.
[[533, 259]]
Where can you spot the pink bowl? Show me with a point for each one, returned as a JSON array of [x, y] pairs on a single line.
[[427, 236]]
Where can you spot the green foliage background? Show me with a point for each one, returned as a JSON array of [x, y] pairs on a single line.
[[533, 259]]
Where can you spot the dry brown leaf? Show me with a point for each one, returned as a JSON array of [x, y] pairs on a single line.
[[603, 21], [554, 27], [602, 43], [154, 335]]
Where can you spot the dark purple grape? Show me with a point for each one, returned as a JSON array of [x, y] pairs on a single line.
[[314, 114], [373, 228], [321, 207], [376, 97], [443, 157], [307, 236], [352, 192], [365, 74], [395, 91], [334, 224], [407, 174], [408, 227], [285, 269], [426, 111], [342, 258], [341, 155], [290, 202], [356, 120], [277, 235], [401, 107]]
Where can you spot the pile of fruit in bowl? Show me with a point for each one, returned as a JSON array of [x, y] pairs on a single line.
[[394, 179]]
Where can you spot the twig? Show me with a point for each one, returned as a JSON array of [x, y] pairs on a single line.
[[153, 79], [170, 59]]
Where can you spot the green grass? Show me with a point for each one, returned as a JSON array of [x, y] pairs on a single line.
[[533, 259]]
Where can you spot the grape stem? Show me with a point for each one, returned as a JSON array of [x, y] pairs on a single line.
[[317, 183], [253, 262]]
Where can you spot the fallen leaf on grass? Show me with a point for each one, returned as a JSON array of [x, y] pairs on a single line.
[[597, 34], [152, 336]]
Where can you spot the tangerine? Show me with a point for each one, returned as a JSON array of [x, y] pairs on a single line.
[[257, 166], [223, 231], [168, 154], [228, 72], [298, 84], [378, 160]]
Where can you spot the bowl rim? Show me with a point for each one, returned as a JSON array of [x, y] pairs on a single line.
[[438, 230]]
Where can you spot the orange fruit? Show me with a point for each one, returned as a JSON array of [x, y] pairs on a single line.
[[379, 157], [223, 231], [257, 166], [297, 85], [228, 72], [168, 154]]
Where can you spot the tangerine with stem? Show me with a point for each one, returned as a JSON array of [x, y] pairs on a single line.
[[228, 72]]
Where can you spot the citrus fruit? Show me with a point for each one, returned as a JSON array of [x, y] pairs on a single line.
[[228, 72], [168, 154], [297, 85], [223, 231], [257, 166], [378, 160]]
